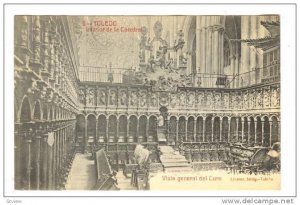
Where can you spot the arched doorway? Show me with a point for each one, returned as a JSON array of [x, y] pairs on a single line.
[[181, 129], [112, 128], [258, 131], [122, 127], [35, 151], [132, 128], [224, 134], [80, 132], [199, 129], [102, 124], [190, 129], [91, 128], [216, 131], [153, 127], [172, 129], [266, 134], [208, 129], [142, 128], [251, 137], [233, 130], [22, 148], [274, 130]]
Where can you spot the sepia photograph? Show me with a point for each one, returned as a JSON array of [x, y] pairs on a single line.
[[147, 102]]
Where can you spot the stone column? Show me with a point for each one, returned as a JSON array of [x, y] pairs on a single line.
[[195, 130], [36, 44], [203, 130], [28, 141], [46, 26], [137, 129], [229, 134], [147, 128], [177, 130], [96, 134], [262, 132], [245, 49], [242, 129], [186, 126], [21, 40], [212, 129], [38, 161], [249, 130], [117, 137], [198, 43], [221, 126], [127, 128], [255, 136], [271, 125], [237, 128]]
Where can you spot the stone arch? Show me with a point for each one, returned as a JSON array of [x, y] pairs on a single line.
[[25, 110]]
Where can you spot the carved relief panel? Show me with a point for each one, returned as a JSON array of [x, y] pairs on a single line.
[[173, 100], [275, 98], [112, 99], [90, 97], [201, 100], [226, 100], [101, 97], [133, 100], [143, 98], [123, 99], [191, 99], [81, 95], [266, 98], [217, 100], [182, 99], [153, 99]]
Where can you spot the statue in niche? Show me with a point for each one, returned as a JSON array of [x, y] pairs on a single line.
[[112, 97], [245, 100], [81, 96], [133, 98], [174, 100], [153, 100], [123, 97], [159, 47], [101, 97], [217, 100], [182, 99], [143, 99], [191, 99], [209, 99], [226, 100], [266, 95], [200, 99], [259, 102], [91, 97]]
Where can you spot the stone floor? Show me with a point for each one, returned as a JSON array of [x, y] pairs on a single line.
[[83, 173]]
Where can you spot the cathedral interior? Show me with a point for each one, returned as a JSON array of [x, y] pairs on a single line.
[[89, 89]]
